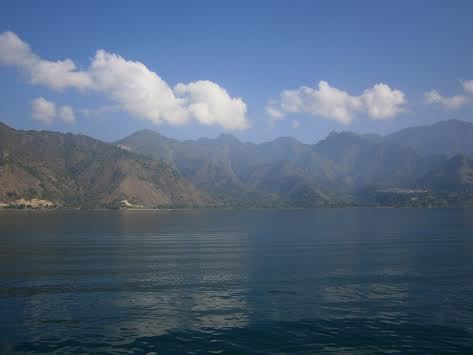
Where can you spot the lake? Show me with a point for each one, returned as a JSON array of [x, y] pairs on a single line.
[[354, 280]]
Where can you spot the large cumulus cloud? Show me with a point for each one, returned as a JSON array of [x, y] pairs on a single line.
[[131, 85]]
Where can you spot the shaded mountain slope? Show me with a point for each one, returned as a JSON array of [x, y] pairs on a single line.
[[456, 174]]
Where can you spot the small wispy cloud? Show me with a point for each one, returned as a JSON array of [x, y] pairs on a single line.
[[451, 102], [45, 111], [66, 114], [468, 86]]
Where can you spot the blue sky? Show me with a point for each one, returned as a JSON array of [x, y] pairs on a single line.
[[378, 62]]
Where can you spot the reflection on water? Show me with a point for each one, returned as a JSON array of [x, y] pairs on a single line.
[[368, 280]]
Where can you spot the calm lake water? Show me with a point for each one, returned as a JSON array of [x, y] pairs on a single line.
[[258, 281]]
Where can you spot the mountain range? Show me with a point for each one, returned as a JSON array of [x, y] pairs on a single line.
[[417, 166]]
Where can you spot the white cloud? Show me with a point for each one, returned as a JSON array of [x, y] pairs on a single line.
[[382, 102], [451, 103], [135, 88], [468, 86], [130, 85], [325, 101], [43, 110], [379, 102], [46, 112], [67, 114], [210, 104], [273, 111], [54, 75]]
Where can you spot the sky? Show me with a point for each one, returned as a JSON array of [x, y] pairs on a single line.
[[255, 69]]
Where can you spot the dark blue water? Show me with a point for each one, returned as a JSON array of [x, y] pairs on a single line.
[[233, 282]]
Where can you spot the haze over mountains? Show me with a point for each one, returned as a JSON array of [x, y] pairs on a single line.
[[428, 166]]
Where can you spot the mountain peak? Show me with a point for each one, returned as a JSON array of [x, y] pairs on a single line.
[[227, 137], [344, 136], [146, 131], [286, 140], [333, 134], [144, 135], [449, 137], [453, 122]]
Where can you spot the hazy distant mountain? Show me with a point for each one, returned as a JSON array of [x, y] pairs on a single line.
[[148, 169], [442, 138], [234, 172], [360, 161], [75, 170]]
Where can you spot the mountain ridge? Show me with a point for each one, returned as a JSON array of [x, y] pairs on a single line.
[[148, 169]]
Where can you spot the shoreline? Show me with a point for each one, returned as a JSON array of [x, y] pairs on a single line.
[[227, 208]]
